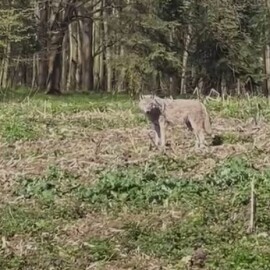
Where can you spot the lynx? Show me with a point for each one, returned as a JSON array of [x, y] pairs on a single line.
[[162, 112]]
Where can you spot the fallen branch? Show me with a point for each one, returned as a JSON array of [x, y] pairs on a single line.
[[215, 92], [198, 93]]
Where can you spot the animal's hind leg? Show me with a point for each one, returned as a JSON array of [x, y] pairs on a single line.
[[197, 140], [188, 124], [198, 132], [201, 139], [192, 126]]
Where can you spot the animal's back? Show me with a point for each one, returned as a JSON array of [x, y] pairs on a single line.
[[179, 109], [200, 116], [188, 110]]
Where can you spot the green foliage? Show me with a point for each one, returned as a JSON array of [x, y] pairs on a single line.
[[11, 26], [249, 108], [54, 183], [150, 50], [233, 138], [20, 219], [17, 27], [235, 172], [139, 188], [29, 116], [134, 187], [101, 249], [224, 41], [216, 221], [18, 129], [111, 215], [180, 240], [212, 215]]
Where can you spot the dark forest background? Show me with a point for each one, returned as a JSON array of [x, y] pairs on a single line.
[[162, 46]]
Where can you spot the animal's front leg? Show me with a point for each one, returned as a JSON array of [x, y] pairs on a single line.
[[162, 131], [156, 128]]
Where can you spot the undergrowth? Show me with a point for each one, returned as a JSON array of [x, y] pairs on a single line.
[[123, 215], [215, 210]]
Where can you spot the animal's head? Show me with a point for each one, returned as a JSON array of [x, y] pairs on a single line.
[[147, 103]]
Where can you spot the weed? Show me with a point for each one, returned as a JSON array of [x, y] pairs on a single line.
[[235, 171], [48, 220], [100, 249], [18, 129], [133, 187], [54, 183], [216, 222], [20, 219], [154, 186], [233, 138], [230, 107]]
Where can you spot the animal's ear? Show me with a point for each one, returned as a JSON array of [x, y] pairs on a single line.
[[157, 101], [142, 96], [160, 104]]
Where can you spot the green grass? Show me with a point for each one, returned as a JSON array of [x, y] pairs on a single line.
[[65, 206], [46, 188], [240, 108], [29, 117], [233, 138]]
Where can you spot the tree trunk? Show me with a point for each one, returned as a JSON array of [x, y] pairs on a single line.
[[223, 87], [86, 30], [184, 61], [173, 89], [64, 65], [107, 53], [42, 11], [34, 71], [173, 86], [267, 71], [1, 71], [101, 45], [96, 44], [120, 87], [6, 65], [71, 63], [78, 57], [238, 87], [55, 64], [267, 56], [59, 22]]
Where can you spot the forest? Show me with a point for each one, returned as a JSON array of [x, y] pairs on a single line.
[[82, 185], [164, 46]]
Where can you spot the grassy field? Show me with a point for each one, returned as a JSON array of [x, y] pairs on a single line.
[[80, 188]]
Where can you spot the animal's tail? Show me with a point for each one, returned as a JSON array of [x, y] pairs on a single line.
[[207, 123]]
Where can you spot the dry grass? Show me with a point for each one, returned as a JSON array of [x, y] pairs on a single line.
[[83, 142]]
